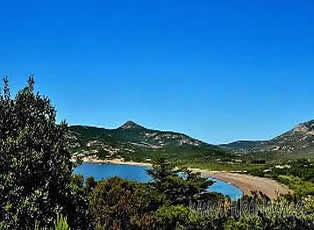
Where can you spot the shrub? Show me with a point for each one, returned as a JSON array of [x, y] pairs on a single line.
[[35, 165], [269, 215], [171, 217], [117, 202]]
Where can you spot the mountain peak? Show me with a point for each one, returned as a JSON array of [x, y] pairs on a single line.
[[131, 125]]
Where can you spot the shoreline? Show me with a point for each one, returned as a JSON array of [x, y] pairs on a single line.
[[115, 161], [246, 183], [211, 174]]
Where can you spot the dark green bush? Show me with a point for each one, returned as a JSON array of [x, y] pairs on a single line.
[[117, 202], [35, 164]]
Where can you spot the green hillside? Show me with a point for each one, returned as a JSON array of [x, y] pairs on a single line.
[[134, 142]]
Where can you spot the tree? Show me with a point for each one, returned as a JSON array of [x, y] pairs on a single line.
[[35, 164], [178, 186]]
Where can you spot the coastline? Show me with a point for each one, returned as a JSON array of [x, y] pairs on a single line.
[[249, 184], [115, 161], [246, 183]]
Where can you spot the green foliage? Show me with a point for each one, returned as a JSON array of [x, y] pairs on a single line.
[[214, 217], [258, 162], [163, 204], [256, 212], [297, 174], [35, 164], [182, 217], [223, 164], [61, 223], [117, 202], [279, 214], [138, 143], [178, 186], [77, 181], [171, 217]]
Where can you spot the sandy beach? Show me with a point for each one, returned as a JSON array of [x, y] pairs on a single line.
[[245, 182], [250, 184]]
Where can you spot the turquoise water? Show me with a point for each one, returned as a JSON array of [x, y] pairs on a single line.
[[137, 173]]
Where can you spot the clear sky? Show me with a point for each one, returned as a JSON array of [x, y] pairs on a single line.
[[216, 70]]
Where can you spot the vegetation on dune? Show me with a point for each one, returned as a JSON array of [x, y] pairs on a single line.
[[297, 174]]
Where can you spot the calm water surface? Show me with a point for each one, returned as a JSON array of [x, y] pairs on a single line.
[[137, 173]]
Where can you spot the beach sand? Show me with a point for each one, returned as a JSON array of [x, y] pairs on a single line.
[[249, 184]]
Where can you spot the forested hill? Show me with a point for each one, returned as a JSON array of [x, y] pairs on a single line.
[[135, 142]]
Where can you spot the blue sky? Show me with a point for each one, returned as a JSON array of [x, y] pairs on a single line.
[[216, 70]]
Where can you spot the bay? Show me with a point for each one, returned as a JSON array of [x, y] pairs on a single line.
[[137, 173]]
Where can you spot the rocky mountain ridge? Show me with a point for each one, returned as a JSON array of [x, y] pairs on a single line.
[[298, 140]]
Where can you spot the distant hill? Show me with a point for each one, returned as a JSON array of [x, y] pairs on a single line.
[[135, 142], [298, 142]]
